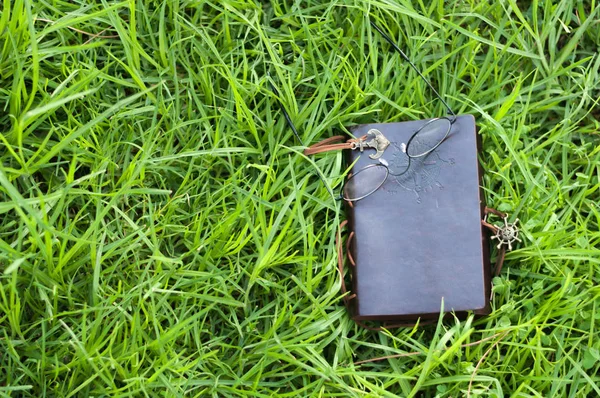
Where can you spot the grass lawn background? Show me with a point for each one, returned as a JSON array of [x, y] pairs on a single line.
[[162, 235]]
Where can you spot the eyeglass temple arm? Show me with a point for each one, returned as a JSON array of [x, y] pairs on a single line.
[[291, 124], [285, 114], [395, 46]]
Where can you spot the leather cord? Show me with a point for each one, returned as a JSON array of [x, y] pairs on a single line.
[[340, 251], [494, 229], [335, 143], [489, 210]]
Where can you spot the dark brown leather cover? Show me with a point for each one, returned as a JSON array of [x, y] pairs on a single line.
[[419, 238]]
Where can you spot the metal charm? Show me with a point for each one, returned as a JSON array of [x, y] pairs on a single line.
[[376, 140], [507, 234]]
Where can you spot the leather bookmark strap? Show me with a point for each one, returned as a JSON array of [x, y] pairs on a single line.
[[489, 210], [494, 229], [499, 260], [340, 252], [335, 143]]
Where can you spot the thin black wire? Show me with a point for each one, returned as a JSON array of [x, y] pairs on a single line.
[[405, 57], [284, 111], [291, 125], [395, 46]]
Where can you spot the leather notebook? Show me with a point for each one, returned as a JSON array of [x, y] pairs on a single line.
[[419, 239]]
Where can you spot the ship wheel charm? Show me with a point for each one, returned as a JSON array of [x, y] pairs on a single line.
[[507, 234]]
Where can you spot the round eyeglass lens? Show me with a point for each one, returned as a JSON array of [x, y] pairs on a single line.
[[364, 182], [428, 137]]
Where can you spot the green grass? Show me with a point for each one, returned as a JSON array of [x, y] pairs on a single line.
[[162, 235]]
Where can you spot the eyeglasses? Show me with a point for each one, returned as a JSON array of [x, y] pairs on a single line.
[[369, 179], [422, 142]]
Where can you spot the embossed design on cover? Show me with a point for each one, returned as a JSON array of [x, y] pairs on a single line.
[[423, 173]]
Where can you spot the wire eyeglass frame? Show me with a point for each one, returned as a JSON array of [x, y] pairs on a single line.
[[444, 125]]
